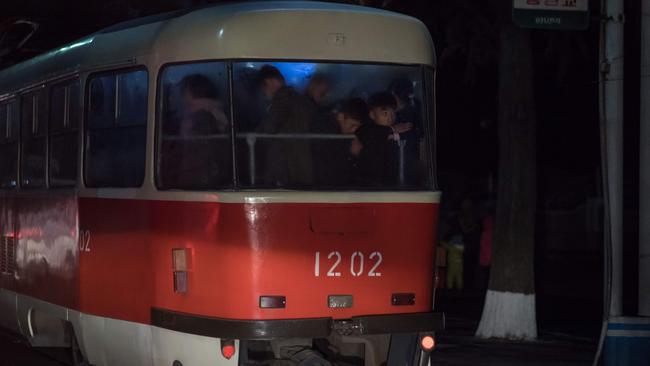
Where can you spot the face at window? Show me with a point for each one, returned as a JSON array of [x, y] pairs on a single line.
[[347, 124], [383, 116], [318, 92], [271, 86]]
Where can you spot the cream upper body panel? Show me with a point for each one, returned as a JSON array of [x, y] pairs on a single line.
[[282, 30], [298, 31]]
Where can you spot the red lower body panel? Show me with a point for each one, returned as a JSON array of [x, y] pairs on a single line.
[[241, 251]]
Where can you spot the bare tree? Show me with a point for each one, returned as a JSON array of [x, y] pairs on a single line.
[[509, 309]]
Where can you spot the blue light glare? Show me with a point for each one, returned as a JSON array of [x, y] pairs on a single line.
[[296, 74]]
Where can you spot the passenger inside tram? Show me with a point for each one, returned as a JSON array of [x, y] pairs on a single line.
[[301, 138], [203, 111], [350, 115], [380, 138], [288, 159], [318, 88], [195, 144], [408, 110], [296, 126], [323, 124], [200, 116]]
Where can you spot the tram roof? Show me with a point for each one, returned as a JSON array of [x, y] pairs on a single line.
[[280, 30]]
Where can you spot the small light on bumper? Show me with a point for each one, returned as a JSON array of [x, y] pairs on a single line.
[[227, 348], [428, 343]]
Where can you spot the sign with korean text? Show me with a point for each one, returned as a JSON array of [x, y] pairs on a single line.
[[551, 14]]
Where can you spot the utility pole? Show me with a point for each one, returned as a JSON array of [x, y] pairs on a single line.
[[612, 114], [626, 336]]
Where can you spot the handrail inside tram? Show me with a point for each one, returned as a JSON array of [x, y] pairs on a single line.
[[252, 137]]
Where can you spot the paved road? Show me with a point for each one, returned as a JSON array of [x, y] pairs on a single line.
[[456, 347], [488, 353], [14, 352]]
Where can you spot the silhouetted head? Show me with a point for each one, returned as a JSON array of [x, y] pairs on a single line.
[[402, 90], [197, 86], [352, 113], [270, 80], [318, 87]]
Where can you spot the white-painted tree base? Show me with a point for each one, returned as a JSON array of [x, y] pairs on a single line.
[[508, 315]]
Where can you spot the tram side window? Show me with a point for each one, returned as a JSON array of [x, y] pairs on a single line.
[[34, 136], [194, 141], [9, 144], [64, 136], [116, 129]]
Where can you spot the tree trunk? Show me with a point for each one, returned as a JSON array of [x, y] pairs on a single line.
[[509, 309]]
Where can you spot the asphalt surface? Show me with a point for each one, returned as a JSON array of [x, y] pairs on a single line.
[[15, 352], [456, 346]]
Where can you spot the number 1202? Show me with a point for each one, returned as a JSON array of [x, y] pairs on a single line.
[[356, 264]]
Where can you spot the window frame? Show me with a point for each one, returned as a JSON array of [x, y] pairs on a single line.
[[14, 137], [158, 125], [86, 126], [429, 115], [429, 79], [41, 92], [66, 129]]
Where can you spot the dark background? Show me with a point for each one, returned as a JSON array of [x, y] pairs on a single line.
[[569, 217]]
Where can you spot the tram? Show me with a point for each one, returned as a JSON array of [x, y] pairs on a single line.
[[156, 207]]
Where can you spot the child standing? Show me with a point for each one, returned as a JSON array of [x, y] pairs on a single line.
[[379, 137], [455, 249], [340, 158]]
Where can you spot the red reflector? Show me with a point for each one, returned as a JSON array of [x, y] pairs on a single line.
[[428, 343], [227, 349]]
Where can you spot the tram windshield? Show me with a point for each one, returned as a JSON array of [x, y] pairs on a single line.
[[296, 125]]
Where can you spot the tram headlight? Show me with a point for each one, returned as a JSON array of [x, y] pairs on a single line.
[[428, 343]]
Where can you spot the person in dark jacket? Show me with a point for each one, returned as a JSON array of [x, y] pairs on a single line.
[[198, 163], [322, 123], [288, 160], [344, 154], [203, 111], [379, 137], [408, 110]]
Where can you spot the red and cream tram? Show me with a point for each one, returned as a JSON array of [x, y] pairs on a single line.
[[149, 215]]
